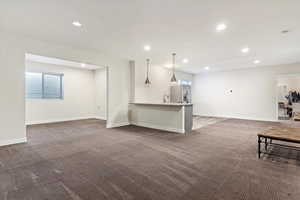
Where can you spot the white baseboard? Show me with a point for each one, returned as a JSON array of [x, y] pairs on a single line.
[[58, 120], [235, 117], [13, 141], [153, 126], [100, 117], [119, 124]]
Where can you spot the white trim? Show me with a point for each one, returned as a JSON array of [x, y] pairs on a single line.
[[116, 125], [13, 141], [234, 117], [59, 120], [100, 117], [153, 126], [107, 95], [276, 103], [183, 118]]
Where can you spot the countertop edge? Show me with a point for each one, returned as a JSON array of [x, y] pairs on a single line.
[[162, 104]]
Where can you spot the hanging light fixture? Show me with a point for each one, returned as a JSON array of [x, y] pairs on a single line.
[[147, 82], [173, 79]]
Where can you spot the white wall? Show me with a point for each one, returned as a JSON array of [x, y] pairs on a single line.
[[79, 96], [100, 93], [292, 82], [254, 92], [160, 82], [12, 105], [12, 84]]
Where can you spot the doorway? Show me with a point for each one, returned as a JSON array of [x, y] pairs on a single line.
[[59, 90], [288, 98]]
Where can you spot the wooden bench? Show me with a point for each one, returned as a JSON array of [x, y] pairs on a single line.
[[291, 135]]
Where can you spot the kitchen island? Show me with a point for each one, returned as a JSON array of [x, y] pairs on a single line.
[[173, 117]]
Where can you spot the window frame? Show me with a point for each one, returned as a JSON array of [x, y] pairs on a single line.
[[185, 82], [61, 79]]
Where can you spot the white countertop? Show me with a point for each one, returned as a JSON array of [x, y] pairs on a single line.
[[162, 104]]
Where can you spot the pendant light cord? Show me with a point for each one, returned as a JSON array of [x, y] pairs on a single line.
[[148, 61], [174, 54], [173, 79], [147, 82]]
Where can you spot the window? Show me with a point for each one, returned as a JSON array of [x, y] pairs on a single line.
[[44, 85], [184, 82]]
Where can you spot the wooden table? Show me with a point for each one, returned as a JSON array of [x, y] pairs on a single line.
[[291, 135]]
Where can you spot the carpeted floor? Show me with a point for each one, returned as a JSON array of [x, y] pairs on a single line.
[[82, 160], [202, 121]]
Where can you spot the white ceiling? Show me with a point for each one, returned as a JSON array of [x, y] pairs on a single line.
[[187, 27], [60, 62]]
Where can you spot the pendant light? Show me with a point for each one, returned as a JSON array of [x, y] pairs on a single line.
[[173, 79], [147, 82]]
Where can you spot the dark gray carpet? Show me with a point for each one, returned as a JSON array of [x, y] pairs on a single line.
[[82, 160]]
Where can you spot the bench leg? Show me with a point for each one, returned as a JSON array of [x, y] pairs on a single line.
[[258, 150], [266, 144]]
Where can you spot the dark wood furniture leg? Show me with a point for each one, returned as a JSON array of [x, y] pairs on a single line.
[[266, 144], [258, 150]]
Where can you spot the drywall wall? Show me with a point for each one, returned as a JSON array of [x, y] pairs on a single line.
[[100, 93], [160, 82], [12, 104], [246, 94], [291, 82], [118, 94], [78, 101]]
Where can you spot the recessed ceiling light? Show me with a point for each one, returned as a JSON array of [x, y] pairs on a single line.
[[221, 27], [245, 50], [82, 64], [185, 60], [147, 47], [207, 68], [256, 61], [77, 24]]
